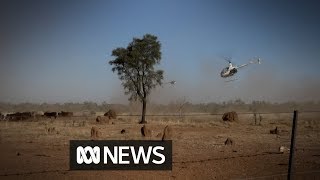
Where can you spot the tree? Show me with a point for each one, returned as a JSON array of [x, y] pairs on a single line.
[[135, 66], [181, 102]]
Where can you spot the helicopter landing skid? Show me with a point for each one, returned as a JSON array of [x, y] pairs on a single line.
[[230, 80]]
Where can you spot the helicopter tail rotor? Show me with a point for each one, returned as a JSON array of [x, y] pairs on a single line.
[[255, 60], [259, 61]]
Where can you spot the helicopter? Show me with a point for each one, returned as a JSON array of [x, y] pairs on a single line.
[[233, 69]]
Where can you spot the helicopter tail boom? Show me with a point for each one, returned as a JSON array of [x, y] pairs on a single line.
[[250, 62]]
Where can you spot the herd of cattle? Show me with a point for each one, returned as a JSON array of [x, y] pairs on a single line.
[[17, 116]]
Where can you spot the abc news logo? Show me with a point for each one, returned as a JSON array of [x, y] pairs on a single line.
[[120, 155]]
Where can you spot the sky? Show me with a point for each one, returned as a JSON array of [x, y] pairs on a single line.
[[58, 51]]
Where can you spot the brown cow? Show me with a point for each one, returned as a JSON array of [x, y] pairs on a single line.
[[65, 114], [18, 116], [230, 116], [51, 114]]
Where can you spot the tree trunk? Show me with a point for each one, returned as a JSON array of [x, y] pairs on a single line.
[[144, 107]]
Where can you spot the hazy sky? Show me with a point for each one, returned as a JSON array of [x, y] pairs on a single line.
[[58, 51]]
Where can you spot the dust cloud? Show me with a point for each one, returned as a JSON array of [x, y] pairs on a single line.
[[265, 82]]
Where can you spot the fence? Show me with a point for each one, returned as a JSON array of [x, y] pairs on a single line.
[[307, 121], [303, 135]]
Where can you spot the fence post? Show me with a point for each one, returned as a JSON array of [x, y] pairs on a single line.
[[292, 147]]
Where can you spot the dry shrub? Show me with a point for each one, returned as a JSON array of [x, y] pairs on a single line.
[[83, 124], [229, 141], [159, 135], [51, 130], [103, 119], [167, 133], [274, 131], [111, 114], [99, 119], [94, 133], [146, 132]]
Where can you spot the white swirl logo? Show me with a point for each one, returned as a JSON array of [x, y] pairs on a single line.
[[94, 155]]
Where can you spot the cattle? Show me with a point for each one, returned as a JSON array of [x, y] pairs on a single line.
[[18, 116], [2, 116], [51, 114], [10, 116], [38, 114], [65, 114], [230, 116]]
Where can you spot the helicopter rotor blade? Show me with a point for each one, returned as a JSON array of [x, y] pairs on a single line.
[[228, 59]]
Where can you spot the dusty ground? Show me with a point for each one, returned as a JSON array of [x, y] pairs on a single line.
[[28, 151]]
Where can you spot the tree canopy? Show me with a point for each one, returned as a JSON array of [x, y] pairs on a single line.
[[135, 66]]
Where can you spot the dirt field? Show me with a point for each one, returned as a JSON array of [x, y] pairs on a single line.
[[29, 151]]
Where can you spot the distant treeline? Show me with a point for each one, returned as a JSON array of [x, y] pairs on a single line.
[[175, 107]]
